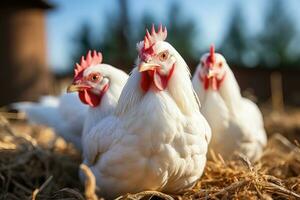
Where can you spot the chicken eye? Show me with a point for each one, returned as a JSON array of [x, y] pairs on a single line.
[[95, 77], [202, 63], [220, 64], [163, 56]]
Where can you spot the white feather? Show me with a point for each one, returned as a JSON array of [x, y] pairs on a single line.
[[109, 101], [57, 113], [236, 122], [154, 141], [68, 116]]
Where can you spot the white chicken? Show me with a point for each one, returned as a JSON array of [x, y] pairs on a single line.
[[157, 138], [59, 112], [236, 122], [98, 85]]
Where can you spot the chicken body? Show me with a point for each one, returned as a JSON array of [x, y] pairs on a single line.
[[155, 140], [69, 117], [59, 114], [236, 122], [117, 79]]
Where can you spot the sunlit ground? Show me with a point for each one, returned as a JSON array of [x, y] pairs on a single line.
[[36, 164]]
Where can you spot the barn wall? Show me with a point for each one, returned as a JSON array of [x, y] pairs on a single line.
[[23, 65], [258, 80]]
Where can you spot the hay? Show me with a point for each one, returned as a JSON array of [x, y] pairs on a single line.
[[90, 183], [29, 169], [240, 179], [35, 164]]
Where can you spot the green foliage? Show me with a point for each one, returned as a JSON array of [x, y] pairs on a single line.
[[118, 40], [277, 36], [269, 48], [113, 42], [83, 44], [238, 47], [235, 43], [181, 32]]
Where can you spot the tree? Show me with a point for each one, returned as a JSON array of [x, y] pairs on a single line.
[[276, 37], [181, 33], [119, 38], [234, 45], [113, 43], [83, 44]]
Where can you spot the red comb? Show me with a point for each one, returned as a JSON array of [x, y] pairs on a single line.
[[212, 53], [150, 39], [91, 59]]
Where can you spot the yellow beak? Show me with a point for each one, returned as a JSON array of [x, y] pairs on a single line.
[[147, 66], [73, 88], [210, 74]]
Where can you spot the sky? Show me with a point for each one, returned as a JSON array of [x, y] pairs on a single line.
[[212, 16]]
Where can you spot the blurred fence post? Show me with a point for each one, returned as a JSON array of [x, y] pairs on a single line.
[[276, 92]]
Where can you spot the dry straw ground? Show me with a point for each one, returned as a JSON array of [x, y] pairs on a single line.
[[35, 164]]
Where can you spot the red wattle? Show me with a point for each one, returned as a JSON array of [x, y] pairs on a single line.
[[146, 81], [153, 76], [88, 97], [212, 82], [161, 81], [205, 81]]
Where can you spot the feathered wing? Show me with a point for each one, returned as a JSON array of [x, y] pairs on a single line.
[[109, 151], [247, 118], [251, 111], [99, 139], [251, 123]]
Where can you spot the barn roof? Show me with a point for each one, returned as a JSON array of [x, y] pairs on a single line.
[[43, 4]]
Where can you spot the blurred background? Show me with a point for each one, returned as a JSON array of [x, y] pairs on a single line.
[[41, 41]]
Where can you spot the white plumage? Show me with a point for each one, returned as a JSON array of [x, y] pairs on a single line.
[[116, 80], [236, 122], [157, 138], [69, 117], [59, 114]]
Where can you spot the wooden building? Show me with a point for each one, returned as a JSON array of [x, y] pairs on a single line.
[[24, 73], [258, 80]]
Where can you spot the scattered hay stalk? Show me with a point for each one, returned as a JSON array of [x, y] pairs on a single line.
[[90, 183], [51, 171]]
